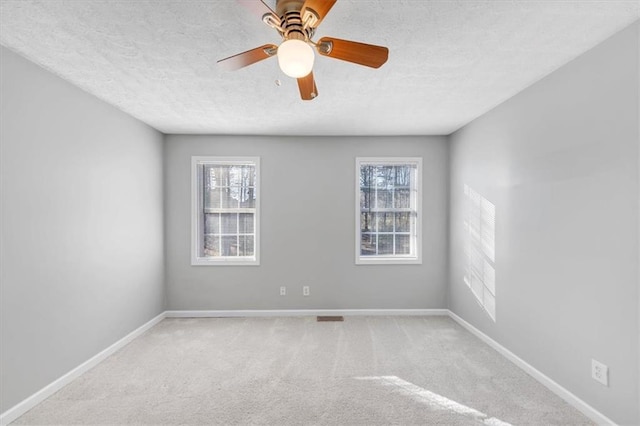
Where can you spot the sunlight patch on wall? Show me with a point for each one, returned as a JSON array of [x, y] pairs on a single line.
[[479, 249], [434, 400]]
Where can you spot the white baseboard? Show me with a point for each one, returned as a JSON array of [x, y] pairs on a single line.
[[304, 312], [30, 402], [44, 393], [550, 384]]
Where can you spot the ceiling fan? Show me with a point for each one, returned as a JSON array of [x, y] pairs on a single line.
[[296, 21]]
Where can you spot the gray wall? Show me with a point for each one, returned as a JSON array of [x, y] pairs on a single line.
[[307, 227], [560, 162], [82, 247]]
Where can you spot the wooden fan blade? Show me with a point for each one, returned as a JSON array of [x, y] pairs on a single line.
[[258, 8], [319, 8], [249, 57], [352, 51], [307, 86]]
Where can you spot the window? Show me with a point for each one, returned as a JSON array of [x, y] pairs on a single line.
[[388, 200], [479, 246], [226, 206]]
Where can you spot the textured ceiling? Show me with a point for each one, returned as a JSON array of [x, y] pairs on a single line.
[[449, 61]]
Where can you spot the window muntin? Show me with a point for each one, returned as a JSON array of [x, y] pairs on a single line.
[[387, 216], [226, 205]]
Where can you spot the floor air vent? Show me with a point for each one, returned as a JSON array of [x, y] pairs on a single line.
[[330, 318]]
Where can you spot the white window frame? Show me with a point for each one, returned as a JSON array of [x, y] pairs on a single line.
[[197, 214], [416, 233]]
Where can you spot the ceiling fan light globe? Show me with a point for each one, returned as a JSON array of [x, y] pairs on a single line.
[[295, 58]]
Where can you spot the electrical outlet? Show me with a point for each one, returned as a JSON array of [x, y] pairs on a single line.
[[600, 372], [305, 290], [283, 291]]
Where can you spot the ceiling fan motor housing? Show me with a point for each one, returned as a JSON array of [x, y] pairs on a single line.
[[292, 24]]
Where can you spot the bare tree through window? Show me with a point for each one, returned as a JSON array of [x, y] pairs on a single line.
[[388, 208], [227, 209]]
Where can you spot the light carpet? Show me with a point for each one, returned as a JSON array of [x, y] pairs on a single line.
[[296, 371]]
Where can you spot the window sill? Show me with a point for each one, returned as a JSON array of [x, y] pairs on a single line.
[[388, 261], [202, 261]]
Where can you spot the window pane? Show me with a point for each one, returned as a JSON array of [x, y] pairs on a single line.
[[367, 176], [403, 244], [246, 223], [225, 175], [366, 197], [368, 244], [402, 199], [246, 245], [384, 199], [385, 244], [374, 176], [230, 246], [248, 176], [229, 223], [403, 222], [211, 245], [247, 198], [366, 222], [212, 223], [385, 222], [235, 175], [403, 176], [212, 199], [386, 177], [213, 176], [230, 197]]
